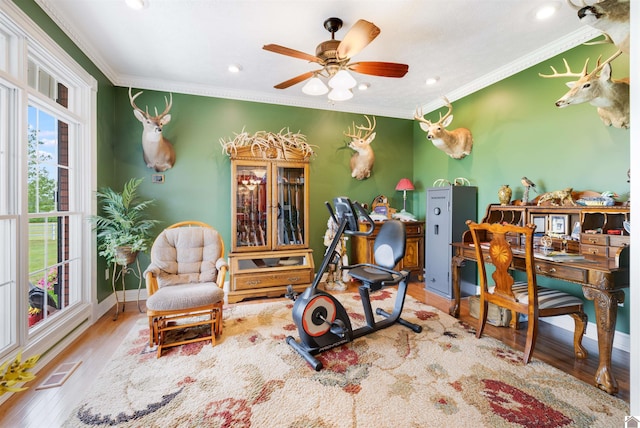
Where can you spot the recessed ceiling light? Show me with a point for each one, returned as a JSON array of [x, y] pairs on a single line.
[[136, 4], [546, 11], [432, 80], [364, 86], [234, 68]]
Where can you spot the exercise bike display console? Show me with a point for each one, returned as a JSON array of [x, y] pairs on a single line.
[[322, 321]]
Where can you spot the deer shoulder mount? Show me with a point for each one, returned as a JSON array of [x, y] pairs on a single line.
[[611, 97], [157, 151], [457, 143], [611, 17], [363, 157]]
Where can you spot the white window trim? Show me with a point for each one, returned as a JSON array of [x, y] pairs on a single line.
[[31, 38]]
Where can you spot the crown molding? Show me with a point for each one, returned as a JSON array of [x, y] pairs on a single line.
[[550, 50]]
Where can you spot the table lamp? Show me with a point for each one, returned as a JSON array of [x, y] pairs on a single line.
[[404, 184]]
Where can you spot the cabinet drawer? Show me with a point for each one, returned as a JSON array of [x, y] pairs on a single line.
[[565, 273], [618, 240], [595, 250], [594, 239], [413, 228], [292, 277]]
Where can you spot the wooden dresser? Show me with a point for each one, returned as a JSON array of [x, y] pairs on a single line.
[[413, 261]]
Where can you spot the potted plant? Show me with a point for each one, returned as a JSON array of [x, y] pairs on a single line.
[[122, 229]]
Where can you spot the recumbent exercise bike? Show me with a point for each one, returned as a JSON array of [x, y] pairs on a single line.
[[322, 321]]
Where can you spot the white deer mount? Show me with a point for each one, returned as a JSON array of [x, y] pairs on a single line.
[[611, 97], [457, 143], [611, 17], [362, 159], [157, 151]]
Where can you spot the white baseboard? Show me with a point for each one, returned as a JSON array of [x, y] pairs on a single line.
[[621, 340]]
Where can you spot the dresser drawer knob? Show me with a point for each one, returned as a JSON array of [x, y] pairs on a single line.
[[539, 269]]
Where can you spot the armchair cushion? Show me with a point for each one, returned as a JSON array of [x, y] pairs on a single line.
[[173, 298], [186, 255]]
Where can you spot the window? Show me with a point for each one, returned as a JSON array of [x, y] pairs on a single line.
[[47, 149]]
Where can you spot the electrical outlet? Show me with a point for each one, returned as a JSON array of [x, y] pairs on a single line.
[[106, 274]]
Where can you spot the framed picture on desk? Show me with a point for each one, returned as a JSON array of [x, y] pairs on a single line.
[[540, 222], [558, 224]]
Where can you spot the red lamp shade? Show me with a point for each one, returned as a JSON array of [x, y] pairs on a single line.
[[405, 184]]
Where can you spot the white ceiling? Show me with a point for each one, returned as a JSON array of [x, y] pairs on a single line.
[[186, 46]]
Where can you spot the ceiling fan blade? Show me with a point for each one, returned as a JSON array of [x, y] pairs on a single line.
[[359, 36], [378, 68], [295, 80], [291, 52]]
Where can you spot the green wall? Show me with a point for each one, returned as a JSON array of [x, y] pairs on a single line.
[[198, 187], [518, 131], [516, 127]]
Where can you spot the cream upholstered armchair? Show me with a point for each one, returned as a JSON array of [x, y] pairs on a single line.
[[185, 283]]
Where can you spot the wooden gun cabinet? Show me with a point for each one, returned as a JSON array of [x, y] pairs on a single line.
[[270, 223]]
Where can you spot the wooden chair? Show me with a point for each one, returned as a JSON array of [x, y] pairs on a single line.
[[185, 283], [520, 297]]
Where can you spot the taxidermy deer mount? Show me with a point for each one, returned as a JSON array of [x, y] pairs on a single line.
[[598, 89], [362, 159], [609, 16], [456, 143], [157, 151]]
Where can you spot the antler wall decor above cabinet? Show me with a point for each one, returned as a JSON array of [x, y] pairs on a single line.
[[270, 223]]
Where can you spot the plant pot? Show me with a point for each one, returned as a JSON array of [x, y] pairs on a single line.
[[125, 256], [35, 318]]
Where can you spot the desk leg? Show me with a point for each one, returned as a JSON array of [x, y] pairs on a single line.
[[606, 307], [456, 263]]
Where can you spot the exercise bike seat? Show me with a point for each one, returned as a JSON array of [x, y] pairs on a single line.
[[388, 250]]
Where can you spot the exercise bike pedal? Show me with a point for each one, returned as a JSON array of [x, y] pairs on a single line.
[[291, 294], [338, 328]]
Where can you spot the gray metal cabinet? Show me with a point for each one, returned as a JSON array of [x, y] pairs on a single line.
[[448, 208]]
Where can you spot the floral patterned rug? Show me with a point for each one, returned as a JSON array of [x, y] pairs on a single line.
[[441, 377]]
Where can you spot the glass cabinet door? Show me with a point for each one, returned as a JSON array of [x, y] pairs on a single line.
[[250, 199], [291, 195]]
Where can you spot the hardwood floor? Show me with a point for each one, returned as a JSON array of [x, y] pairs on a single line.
[[50, 407]]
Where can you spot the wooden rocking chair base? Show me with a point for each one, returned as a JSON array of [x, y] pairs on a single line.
[[160, 323]]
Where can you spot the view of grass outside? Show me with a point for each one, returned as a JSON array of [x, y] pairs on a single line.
[[43, 250]]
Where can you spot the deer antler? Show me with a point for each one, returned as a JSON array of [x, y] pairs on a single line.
[[420, 117], [168, 103], [448, 104], [575, 6], [583, 73], [361, 128], [132, 100]]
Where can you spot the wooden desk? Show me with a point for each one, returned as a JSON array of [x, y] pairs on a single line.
[[602, 280], [413, 260]]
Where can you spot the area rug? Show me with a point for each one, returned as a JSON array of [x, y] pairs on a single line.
[[442, 377]]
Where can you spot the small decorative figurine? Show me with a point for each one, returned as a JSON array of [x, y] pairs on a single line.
[[528, 184], [336, 277]]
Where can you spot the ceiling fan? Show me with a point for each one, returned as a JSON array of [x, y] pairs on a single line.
[[334, 56]]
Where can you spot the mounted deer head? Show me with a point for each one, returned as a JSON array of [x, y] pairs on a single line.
[[609, 16], [598, 89], [456, 143], [362, 159], [157, 151]]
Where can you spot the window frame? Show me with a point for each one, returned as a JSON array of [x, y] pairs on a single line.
[[23, 39]]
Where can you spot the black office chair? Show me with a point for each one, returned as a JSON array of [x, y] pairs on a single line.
[[388, 250]]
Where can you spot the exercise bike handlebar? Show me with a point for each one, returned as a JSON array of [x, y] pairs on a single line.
[[345, 209]]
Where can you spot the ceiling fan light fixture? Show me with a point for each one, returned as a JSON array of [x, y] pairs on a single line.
[[342, 80], [315, 86], [340, 94]]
